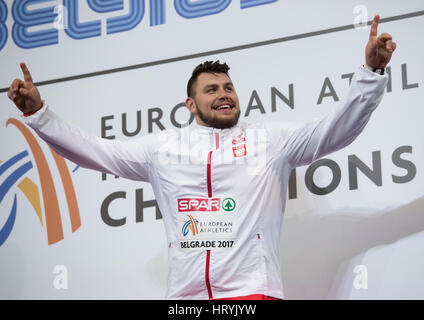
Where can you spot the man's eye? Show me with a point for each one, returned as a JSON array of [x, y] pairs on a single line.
[[229, 89], [211, 90]]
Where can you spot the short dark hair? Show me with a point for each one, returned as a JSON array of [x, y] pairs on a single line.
[[208, 67]]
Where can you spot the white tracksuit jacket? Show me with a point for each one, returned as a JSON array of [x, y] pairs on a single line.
[[221, 192]]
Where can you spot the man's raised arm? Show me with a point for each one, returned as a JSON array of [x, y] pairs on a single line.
[[338, 129], [128, 159]]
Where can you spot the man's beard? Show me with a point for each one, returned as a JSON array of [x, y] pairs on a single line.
[[219, 123]]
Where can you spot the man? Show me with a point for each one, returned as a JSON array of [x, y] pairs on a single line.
[[221, 186]]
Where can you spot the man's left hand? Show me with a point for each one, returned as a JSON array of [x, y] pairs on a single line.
[[379, 49]]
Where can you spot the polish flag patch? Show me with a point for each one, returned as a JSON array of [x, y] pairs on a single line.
[[239, 146], [239, 151]]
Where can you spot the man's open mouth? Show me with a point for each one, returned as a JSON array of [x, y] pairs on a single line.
[[224, 107]]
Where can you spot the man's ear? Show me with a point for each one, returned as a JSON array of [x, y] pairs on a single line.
[[191, 105]]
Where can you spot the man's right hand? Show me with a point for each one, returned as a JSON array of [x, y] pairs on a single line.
[[24, 94]]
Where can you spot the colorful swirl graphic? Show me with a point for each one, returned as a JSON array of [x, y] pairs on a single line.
[[30, 189]]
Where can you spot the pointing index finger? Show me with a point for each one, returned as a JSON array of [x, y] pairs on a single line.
[[374, 25], [25, 71]]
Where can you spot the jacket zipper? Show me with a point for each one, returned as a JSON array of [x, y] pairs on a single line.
[[209, 183]]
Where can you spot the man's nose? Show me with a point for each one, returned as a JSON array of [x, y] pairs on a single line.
[[223, 94]]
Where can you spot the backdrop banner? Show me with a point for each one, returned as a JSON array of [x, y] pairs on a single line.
[[354, 221]]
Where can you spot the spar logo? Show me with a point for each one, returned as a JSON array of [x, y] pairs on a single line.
[[52, 217], [190, 225], [206, 204], [228, 204]]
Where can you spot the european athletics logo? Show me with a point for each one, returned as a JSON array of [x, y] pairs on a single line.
[[29, 188], [191, 224]]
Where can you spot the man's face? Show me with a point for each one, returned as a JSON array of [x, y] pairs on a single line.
[[215, 101]]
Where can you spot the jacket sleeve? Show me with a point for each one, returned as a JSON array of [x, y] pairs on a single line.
[[129, 159], [308, 142]]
